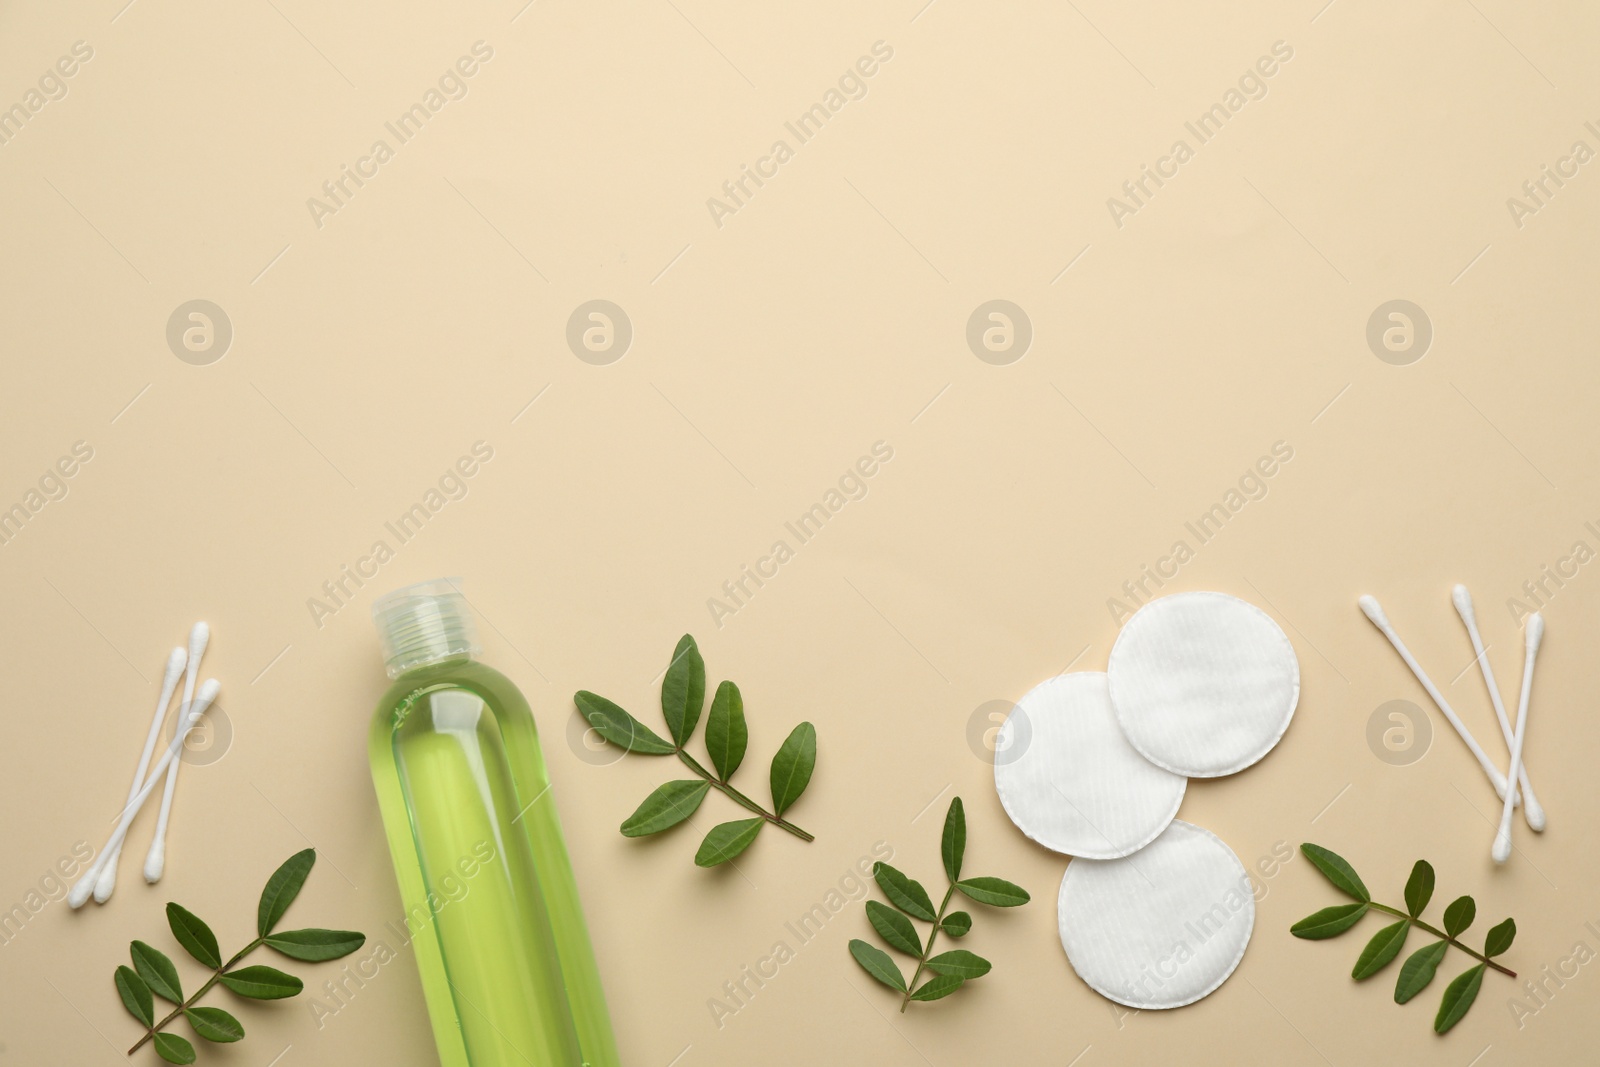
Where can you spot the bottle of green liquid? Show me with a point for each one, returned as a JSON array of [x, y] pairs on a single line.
[[491, 902]]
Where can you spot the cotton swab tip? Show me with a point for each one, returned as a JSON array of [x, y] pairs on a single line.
[[207, 694], [1374, 611], [156, 862], [106, 884], [1534, 812], [1533, 632], [1463, 602], [1502, 846], [175, 664], [81, 890], [198, 637]]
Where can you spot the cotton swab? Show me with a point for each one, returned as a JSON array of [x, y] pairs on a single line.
[[1532, 810], [175, 664], [1534, 634], [82, 888], [155, 861], [1374, 611]]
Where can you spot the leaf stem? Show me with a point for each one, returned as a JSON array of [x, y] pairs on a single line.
[[739, 798], [1436, 932], [202, 991], [927, 949]]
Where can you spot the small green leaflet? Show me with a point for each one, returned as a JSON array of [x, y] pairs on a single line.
[[995, 892], [904, 893], [956, 924], [1419, 888], [877, 963], [894, 928], [157, 970], [1459, 915], [1337, 871], [726, 733], [174, 1049], [136, 997], [938, 987], [316, 946], [1418, 970], [195, 936], [792, 767], [618, 727], [214, 1024], [1329, 922], [683, 690], [1458, 997], [262, 983], [727, 840], [282, 888], [1500, 938], [960, 963], [953, 845], [669, 805], [1384, 947]]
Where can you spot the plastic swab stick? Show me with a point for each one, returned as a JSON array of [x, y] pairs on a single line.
[[1374, 611], [175, 663], [1534, 633], [85, 885], [1532, 810], [155, 861]]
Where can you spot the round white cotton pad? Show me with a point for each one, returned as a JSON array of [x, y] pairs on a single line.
[[1070, 780], [1160, 928], [1204, 684]]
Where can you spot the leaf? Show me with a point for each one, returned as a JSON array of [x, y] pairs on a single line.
[[1458, 997], [618, 727], [174, 1049], [1459, 915], [282, 888], [262, 983], [1337, 871], [792, 767], [953, 845], [877, 963], [683, 690], [214, 1024], [996, 892], [1500, 938], [157, 971], [1329, 922], [194, 935], [1419, 887], [1384, 946], [938, 987], [904, 893], [726, 734], [726, 840], [894, 928], [1418, 970], [314, 945], [135, 996], [960, 963], [669, 805], [956, 924]]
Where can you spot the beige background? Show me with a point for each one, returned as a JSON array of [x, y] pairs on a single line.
[[828, 313]]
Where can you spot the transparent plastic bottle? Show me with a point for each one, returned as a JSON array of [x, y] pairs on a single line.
[[491, 903]]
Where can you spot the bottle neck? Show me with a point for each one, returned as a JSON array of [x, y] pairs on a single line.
[[424, 625]]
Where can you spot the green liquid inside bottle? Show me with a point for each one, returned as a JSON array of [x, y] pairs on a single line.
[[491, 903]]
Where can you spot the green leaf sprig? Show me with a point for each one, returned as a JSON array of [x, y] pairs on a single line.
[[949, 970], [683, 692], [1419, 968], [153, 973]]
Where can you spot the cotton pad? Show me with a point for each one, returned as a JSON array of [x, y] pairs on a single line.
[[1160, 928], [1071, 781], [1204, 684]]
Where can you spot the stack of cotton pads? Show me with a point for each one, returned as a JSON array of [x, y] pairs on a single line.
[[1154, 912]]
